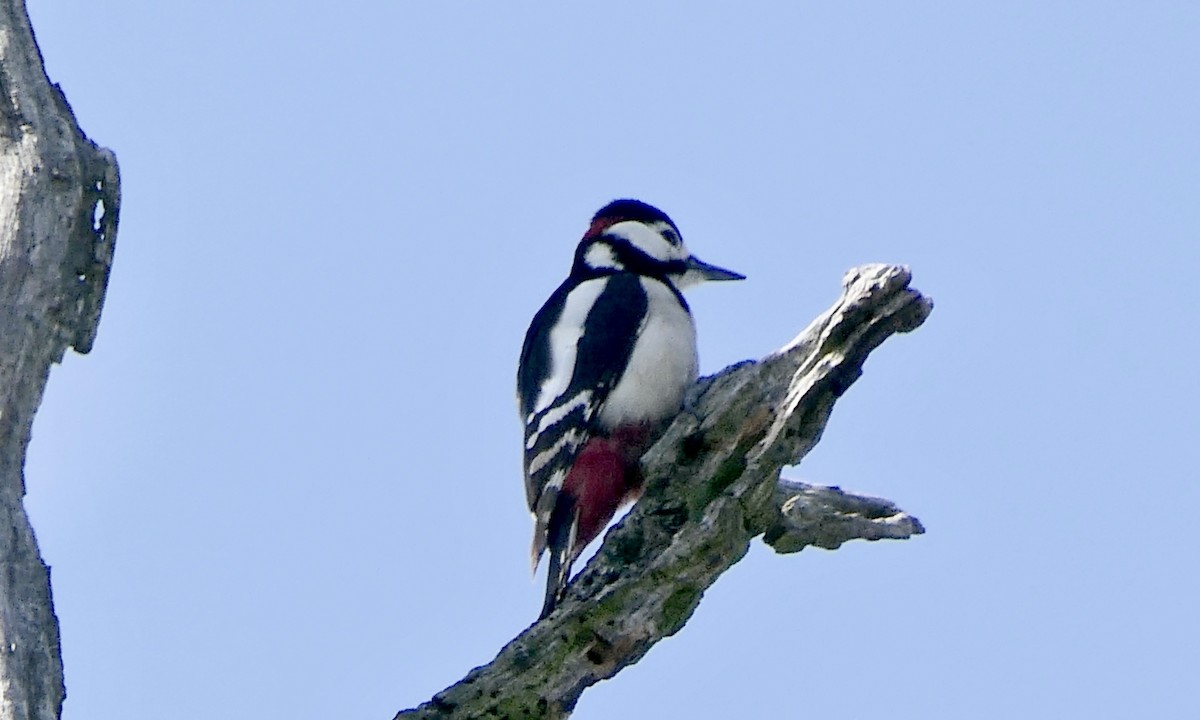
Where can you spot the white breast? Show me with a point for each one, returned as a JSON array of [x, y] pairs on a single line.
[[662, 366]]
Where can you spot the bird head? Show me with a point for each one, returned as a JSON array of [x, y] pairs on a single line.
[[632, 236]]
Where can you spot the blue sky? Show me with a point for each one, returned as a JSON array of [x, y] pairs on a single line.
[[286, 482]]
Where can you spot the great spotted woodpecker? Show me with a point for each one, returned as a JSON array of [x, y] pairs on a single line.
[[603, 369]]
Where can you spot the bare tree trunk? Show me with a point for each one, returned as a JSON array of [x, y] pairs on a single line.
[[712, 485], [59, 196]]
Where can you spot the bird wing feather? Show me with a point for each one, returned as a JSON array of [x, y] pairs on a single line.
[[575, 352]]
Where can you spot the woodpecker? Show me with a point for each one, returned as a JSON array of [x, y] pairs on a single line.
[[603, 369]]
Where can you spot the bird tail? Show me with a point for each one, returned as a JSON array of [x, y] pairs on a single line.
[[560, 536], [543, 514]]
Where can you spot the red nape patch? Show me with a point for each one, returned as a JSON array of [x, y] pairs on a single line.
[[599, 225], [601, 480]]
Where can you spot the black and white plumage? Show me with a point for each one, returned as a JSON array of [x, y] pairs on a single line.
[[605, 365]]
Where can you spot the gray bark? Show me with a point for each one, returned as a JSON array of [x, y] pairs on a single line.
[[59, 196], [712, 486]]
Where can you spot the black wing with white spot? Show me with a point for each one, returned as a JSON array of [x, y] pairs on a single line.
[[575, 351]]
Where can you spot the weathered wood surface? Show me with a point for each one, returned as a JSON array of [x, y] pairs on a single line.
[[59, 196], [712, 486]]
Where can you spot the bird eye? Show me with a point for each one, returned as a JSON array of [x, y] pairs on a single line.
[[671, 236]]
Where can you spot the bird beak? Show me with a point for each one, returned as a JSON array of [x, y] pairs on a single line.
[[697, 271], [703, 271]]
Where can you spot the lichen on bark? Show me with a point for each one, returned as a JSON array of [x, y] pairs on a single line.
[[712, 485]]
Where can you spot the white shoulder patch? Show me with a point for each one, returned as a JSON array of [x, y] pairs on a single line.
[[564, 341]]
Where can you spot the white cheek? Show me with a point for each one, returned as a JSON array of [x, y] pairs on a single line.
[[645, 239]]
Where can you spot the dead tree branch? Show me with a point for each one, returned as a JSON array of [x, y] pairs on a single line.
[[59, 194], [712, 486]]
